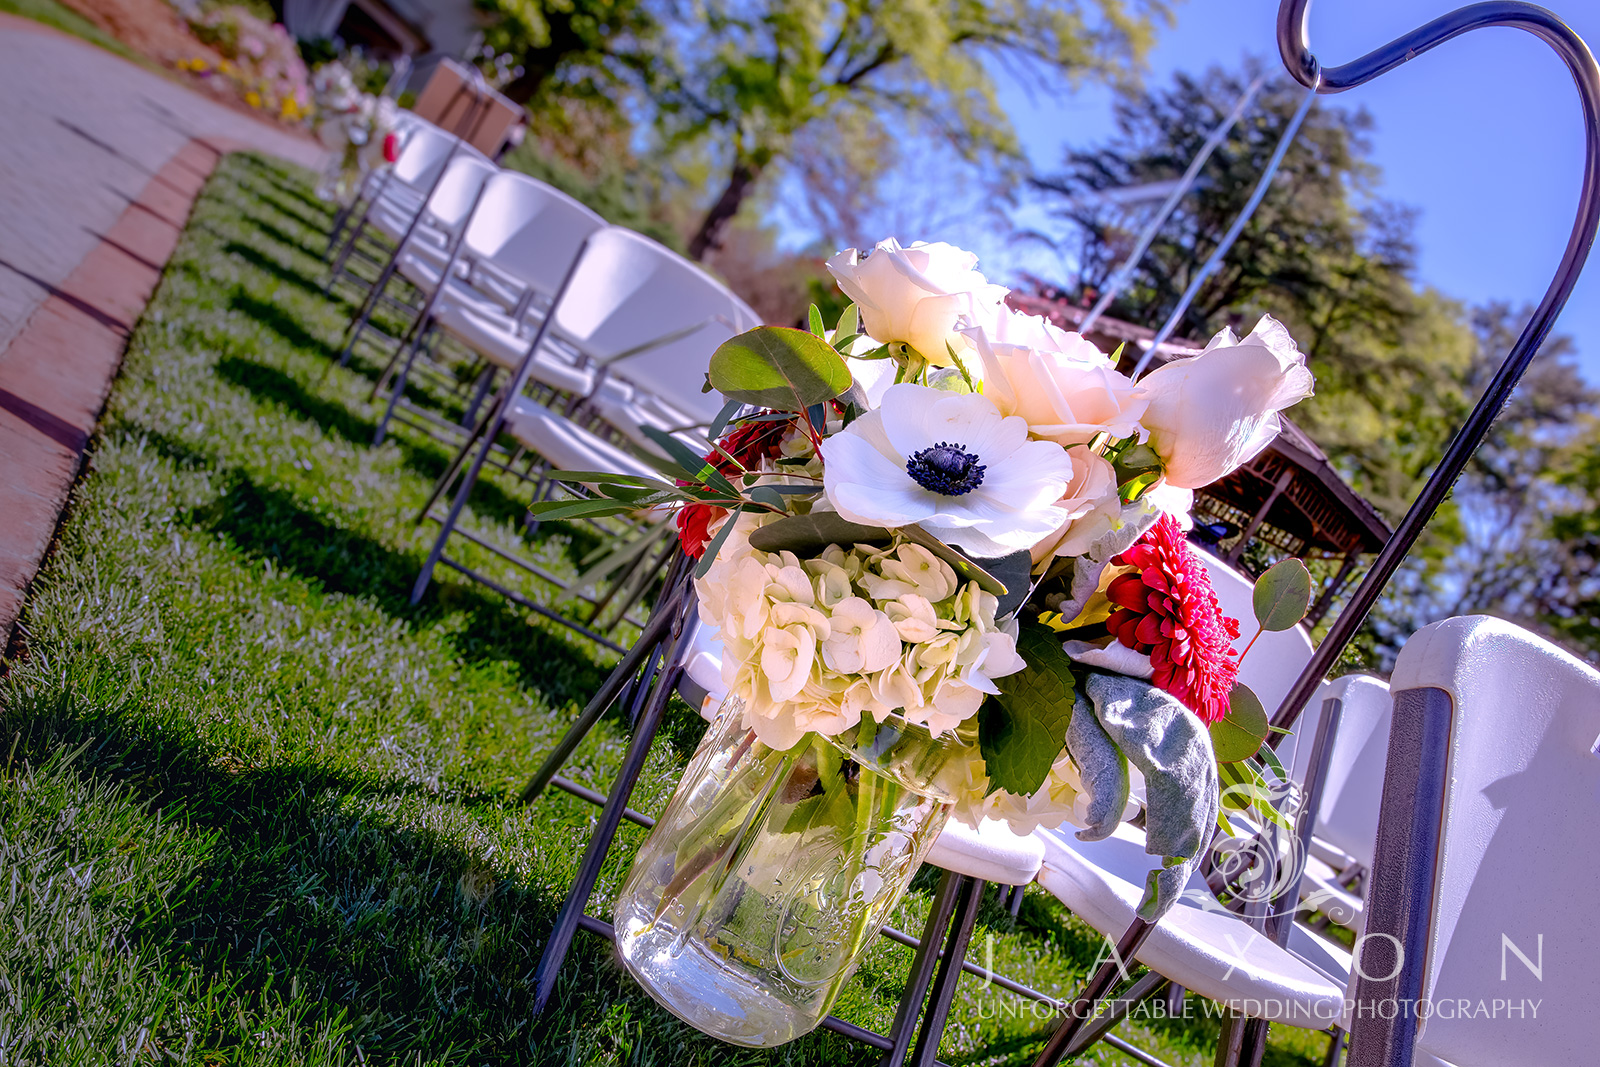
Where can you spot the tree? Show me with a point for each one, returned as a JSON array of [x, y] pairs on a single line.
[[1321, 253], [583, 48], [755, 74]]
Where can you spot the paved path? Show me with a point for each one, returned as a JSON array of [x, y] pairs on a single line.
[[100, 162], [81, 132]]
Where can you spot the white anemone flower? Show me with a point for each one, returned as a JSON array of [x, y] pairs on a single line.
[[951, 464]]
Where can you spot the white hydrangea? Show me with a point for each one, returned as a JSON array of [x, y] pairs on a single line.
[[814, 644]]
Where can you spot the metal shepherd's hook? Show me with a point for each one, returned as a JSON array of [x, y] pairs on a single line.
[[1293, 44]]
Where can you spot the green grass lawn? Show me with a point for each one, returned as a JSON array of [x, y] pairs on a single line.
[[256, 809]]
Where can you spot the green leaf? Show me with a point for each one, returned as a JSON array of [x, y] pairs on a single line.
[[577, 509], [1135, 487], [608, 478], [778, 367], [1282, 595], [799, 533], [720, 423], [842, 342], [814, 320], [700, 469], [714, 547], [849, 324], [1238, 735], [1016, 572], [1022, 731]]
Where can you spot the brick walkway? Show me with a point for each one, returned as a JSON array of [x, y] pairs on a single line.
[[100, 162]]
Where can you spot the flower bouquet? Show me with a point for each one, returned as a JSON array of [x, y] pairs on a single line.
[[357, 128], [942, 546]]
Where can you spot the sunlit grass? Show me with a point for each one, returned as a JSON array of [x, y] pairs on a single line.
[[256, 808]]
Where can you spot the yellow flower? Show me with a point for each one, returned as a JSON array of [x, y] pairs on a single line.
[[253, 98]]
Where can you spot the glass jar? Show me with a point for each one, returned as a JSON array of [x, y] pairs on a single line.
[[770, 871]]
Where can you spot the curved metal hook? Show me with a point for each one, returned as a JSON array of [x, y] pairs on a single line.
[[1295, 48]]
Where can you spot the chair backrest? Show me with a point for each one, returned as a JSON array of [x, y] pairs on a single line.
[[1274, 664], [457, 191], [1352, 792], [1516, 856], [425, 153], [629, 291], [528, 229]]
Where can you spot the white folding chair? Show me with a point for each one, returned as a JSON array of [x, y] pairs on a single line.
[[427, 234], [528, 235], [625, 299], [1345, 824], [1484, 853]]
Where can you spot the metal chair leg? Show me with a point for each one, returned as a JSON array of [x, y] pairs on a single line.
[[396, 393], [922, 969], [1087, 1002], [944, 986], [567, 921], [657, 630]]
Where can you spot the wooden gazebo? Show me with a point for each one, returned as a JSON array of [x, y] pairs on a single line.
[[1288, 500]]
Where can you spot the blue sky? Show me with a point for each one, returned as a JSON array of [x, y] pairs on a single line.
[[1482, 134]]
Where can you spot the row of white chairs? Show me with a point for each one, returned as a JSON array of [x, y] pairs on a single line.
[[595, 332]]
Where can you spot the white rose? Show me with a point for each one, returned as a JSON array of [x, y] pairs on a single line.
[[1213, 412], [916, 295], [1061, 384]]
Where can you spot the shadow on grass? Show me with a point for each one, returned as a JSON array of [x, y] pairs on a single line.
[[265, 263], [282, 236], [268, 523], [268, 383], [316, 885], [282, 323]]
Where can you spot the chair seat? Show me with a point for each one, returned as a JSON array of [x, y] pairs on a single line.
[[992, 852], [496, 338], [566, 445], [1206, 949], [1320, 887]]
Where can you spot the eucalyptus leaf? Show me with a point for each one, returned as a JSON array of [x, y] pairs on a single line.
[[1015, 572], [1238, 735], [1282, 595], [714, 547], [814, 320], [1021, 732], [779, 367]]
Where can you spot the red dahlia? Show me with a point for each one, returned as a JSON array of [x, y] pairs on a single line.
[[1167, 609], [748, 443]]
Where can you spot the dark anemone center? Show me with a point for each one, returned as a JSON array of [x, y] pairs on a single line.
[[946, 468]]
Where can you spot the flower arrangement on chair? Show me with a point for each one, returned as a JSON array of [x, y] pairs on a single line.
[[942, 546], [357, 127]]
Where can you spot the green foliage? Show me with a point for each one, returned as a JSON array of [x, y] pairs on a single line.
[[1238, 735], [1022, 731], [1282, 595], [584, 49], [780, 368], [757, 76]]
